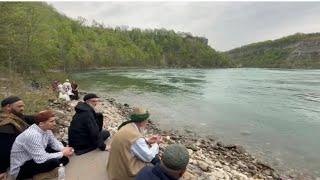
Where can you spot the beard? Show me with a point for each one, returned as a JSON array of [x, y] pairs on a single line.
[[143, 131], [19, 114]]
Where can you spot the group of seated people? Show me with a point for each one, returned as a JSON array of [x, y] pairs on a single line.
[[67, 91], [29, 147]]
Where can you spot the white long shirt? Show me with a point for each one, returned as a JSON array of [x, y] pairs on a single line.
[[67, 86], [31, 144], [142, 150]]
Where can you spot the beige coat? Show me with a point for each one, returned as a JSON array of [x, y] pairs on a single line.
[[122, 165]]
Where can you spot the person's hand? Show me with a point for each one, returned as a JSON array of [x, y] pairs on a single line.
[[159, 139], [105, 123], [3, 176], [67, 151], [108, 147], [153, 139]]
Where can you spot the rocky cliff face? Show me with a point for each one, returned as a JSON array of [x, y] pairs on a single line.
[[307, 49], [296, 51]]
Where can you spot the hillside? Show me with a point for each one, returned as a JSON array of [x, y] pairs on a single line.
[[35, 37], [295, 51]]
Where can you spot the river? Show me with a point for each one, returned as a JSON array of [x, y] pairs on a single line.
[[274, 113]]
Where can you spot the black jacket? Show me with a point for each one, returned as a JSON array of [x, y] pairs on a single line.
[[84, 130]]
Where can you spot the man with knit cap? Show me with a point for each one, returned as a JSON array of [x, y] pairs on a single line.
[[173, 164], [130, 151], [36, 150], [85, 131], [12, 123]]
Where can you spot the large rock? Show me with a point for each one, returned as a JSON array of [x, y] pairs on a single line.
[[203, 166], [241, 165], [192, 147], [188, 176], [218, 173], [217, 164], [238, 175], [190, 151]]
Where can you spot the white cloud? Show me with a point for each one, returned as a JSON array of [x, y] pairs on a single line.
[[226, 24]]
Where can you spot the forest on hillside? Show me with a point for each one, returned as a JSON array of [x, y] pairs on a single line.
[[295, 51], [35, 37]]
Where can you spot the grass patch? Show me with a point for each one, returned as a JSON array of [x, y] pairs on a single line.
[[20, 85]]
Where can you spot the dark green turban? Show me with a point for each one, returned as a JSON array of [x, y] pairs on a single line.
[[138, 115]]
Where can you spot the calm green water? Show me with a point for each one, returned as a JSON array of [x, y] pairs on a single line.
[[275, 114]]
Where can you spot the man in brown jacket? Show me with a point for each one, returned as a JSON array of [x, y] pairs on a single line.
[[12, 123], [130, 151]]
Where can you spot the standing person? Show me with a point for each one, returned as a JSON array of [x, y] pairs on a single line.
[[36, 150], [60, 87], [173, 165], [63, 94], [54, 86], [85, 131], [74, 87], [67, 89], [12, 123], [130, 151], [67, 86]]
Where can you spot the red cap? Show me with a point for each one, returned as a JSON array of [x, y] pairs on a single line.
[[44, 116]]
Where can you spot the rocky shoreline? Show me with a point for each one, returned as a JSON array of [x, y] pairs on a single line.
[[209, 159]]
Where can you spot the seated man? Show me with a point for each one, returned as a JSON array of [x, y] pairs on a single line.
[[85, 131], [12, 123], [130, 151], [173, 164], [36, 150]]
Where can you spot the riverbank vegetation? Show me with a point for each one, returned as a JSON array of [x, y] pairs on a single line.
[[35, 37], [36, 99]]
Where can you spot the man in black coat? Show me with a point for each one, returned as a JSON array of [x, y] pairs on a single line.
[[85, 131]]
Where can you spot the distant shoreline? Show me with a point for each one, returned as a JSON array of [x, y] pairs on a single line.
[[204, 68]]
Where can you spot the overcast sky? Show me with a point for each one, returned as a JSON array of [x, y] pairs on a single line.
[[226, 24]]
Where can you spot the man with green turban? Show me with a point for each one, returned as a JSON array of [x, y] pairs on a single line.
[[130, 151], [173, 164]]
